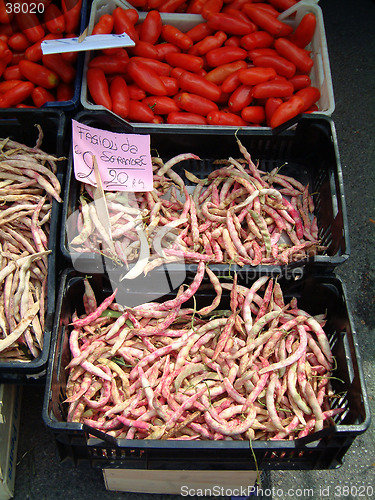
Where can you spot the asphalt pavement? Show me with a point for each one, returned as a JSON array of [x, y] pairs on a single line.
[[350, 36]]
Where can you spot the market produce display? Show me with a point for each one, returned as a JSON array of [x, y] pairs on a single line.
[[27, 77], [255, 342], [247, 366], [238, 214], [239, 67], [28, 185]]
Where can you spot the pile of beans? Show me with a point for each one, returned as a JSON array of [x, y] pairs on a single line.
[[247, 367], [28, 184], [238, 214]]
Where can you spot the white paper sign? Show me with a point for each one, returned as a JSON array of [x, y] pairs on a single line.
[[91, 42]]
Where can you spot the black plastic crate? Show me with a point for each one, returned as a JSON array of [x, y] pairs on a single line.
[[308, 152], [321, 450], [19, 126]]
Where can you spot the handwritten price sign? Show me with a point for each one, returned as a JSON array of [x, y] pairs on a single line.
[[124, 160]]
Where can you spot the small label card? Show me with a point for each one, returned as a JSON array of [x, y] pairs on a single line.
[[124, 160], [91, 42]]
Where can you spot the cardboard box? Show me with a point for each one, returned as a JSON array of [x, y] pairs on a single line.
[[10, 410], [180, 482]]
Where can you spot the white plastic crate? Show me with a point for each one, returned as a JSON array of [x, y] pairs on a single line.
[[10, 409], [320, 74]]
